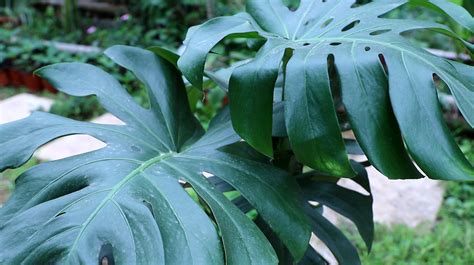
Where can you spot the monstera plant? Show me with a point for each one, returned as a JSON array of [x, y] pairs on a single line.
[[387, 83], [127, 198], [166, 191]]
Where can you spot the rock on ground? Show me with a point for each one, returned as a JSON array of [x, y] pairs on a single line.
[[21, 106], [408, 202], [75, 144]]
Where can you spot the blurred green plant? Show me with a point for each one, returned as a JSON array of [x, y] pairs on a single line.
[[449, 243], [70, 15], [459, 197], [84, 108], [8, 177]]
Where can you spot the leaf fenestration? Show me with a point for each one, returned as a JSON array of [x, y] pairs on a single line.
[[355, 35], [126, 201]]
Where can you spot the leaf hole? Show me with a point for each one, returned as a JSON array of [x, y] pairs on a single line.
[[104, 261], [243, 204], [63, 189], [207, 174], [106, 255], [306, 44], [383, 63], [292, 5], [360, 3], [350, 25], [334, 80], [220, 184], [149, 206], [367, 48], [335, 43], [59, 214], [327, 22], [379, 32]]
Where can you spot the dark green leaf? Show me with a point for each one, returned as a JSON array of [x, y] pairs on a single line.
[[127, 199], [456, 12], [254, 122], [356, 36], [335, 240], [308, 101], [353, 147], [415, 103], [204, 38], [165, 54], [353, 205], [365, 96]]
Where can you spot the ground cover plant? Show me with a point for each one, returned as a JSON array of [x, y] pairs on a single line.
[[166, 191], [448, 241]]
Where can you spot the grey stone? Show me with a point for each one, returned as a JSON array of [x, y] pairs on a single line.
[[75, 144], [414, 203], [408, 202], [21, 106]]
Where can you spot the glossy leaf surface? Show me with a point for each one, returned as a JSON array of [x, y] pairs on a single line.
[[394, 114], [126, 201]]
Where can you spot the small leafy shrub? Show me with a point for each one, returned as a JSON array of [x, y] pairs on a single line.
[[448, 243], [77, 108], [166, 191]]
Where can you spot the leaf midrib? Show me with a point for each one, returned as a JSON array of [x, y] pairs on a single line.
[[219, 203], [45, 188], [136, 119], [321, 19], [302, 19], [423, 106], [279, 19], [117, 187]]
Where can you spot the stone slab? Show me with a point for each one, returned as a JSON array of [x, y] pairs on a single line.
[[21, 106], [75, 144], [408, 202]]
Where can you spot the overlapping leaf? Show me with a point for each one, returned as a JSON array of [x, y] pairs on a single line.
[[125, 202], [387, 83], [355, 206]]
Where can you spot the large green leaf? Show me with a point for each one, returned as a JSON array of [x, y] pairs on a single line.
[[395, 115], [355, 206], [126, 202], [256, 77], [453, 10]]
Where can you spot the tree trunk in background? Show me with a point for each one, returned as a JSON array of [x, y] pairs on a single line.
[[70, 15], [211, 8]]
